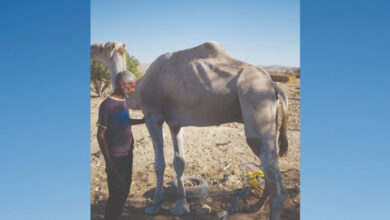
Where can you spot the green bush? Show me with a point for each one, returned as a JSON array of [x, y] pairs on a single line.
[[100, 77], [132, 63]]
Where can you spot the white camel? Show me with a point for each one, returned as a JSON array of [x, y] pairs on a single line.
[[112, 55], [205, 86]]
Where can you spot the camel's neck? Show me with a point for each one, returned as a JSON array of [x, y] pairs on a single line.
[[116, 65]]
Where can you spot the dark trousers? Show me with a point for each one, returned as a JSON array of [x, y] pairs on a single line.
[[118, 186]]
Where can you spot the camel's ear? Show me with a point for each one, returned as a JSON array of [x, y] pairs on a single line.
[[124, 45]]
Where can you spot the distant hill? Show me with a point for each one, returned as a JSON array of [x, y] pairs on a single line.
[[143, 67], [281, 70]]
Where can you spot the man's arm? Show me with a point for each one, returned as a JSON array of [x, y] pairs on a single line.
[[137, 121], [104, 149]]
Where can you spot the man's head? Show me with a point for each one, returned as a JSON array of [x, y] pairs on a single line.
[[125, 82]]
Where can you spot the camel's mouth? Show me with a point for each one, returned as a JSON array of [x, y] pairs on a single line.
[[122, 50]]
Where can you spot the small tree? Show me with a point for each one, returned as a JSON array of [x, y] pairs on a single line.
[[100, 77], [132, 65]]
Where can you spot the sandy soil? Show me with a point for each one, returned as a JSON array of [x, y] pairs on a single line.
[[216, 153]]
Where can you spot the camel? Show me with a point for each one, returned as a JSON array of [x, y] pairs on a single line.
[[112, 55], [206, 86]]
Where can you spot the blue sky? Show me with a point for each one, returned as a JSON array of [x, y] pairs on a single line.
[[258, 32], [45, 112]]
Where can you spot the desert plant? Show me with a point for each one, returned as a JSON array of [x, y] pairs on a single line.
[[132, 65], [100, 78]]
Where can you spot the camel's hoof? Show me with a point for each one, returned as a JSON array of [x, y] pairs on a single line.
[[179, 209], [152, 209]]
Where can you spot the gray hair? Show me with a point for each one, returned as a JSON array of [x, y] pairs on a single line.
[[124, 76]]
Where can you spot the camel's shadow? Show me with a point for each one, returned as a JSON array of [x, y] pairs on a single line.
[[250, 202], [249, 206], [217, 201]]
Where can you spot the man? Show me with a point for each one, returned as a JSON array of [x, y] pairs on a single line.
[[116, 143]]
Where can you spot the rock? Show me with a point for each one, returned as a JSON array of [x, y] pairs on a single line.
[[206, 207], [230, 179], [221, 213], [225, 178], [226, 167], [205, 210], [233, 179]]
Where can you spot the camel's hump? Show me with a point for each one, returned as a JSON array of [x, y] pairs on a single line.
[[210, 49]]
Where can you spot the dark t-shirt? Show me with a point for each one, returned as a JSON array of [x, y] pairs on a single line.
[[114, 117]]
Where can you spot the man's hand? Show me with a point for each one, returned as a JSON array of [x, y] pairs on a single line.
[[111, 167], [137, 121]]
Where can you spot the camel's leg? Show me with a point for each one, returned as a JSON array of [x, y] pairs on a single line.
[[268, 157], [154, 125], [259, 109], [179, 165], [263, 143]]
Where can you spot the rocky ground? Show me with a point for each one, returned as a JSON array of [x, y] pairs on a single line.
[[216, 153]]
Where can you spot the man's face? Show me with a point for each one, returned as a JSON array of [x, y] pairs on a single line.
[[128, 88]]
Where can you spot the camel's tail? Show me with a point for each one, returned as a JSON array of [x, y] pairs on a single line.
[[283, 142]]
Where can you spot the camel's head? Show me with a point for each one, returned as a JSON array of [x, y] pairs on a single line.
[[109, 52]]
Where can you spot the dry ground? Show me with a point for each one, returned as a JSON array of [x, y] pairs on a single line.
[[216, 153]]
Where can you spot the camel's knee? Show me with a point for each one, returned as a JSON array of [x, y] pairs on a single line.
[[159, 168], [277, 191], [274, 181], [179, 164], [255, 144], [276, 206], [277, 200]]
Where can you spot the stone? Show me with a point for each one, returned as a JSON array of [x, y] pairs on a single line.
[[221, 213], [205, 210]]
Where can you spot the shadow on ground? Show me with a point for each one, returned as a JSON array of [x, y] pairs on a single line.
[[250, 206]]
